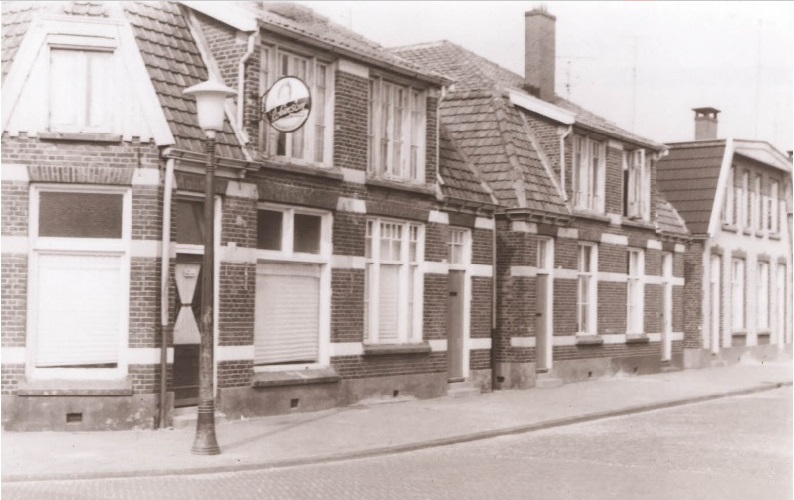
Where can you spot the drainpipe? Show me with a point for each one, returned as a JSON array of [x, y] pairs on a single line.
[[164, 270], [241, 80], [494, 383], [562, 161]]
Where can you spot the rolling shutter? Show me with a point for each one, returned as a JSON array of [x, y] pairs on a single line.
[[287, 318], [79, 310]]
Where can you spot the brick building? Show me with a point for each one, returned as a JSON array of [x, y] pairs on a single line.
[[354, 258], [590, 256], [735, 196]]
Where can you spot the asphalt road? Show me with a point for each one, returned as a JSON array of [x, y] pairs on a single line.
[[738, 447]]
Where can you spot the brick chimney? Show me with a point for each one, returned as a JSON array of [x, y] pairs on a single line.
[[539, 52], [705, 123]]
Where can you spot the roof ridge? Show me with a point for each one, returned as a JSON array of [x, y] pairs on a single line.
[[420, 45]]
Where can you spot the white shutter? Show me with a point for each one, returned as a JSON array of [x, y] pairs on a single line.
[[287, 317], [79, 310], [388, 304], [67, 80]]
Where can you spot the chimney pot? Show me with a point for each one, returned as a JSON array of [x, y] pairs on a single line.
[[539, 52], [705, 123]]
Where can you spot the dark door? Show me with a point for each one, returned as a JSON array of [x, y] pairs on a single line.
[[455, 325], [186, 331]]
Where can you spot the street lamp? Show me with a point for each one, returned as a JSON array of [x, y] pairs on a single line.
[[210, 98]]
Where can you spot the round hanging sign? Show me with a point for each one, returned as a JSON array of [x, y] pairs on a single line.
[[287, 104]]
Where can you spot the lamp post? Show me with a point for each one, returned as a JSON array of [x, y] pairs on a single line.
[[210, 97]]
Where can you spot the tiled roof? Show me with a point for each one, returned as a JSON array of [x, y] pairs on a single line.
[[688, 178], [16, 17], [459, 178], [668, 219], [307, 23], [174, 64], [470, 71]]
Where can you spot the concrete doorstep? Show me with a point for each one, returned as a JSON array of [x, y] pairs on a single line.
[[370, 430]]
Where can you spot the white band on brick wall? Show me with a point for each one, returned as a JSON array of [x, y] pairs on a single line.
[[653, 280], [431, 267], [148, 355], [654, 245], [522, 341], [568, 232], [232, 254], [13, 172], [520, 226], [614, 239], [348, 262], [563, 340], [484, 223], [523, 271], [12, 355], [353, 68], [566, 274], [677, 336], [234, 353], [147, 249], [353, 176], [679, 248], [345, 349], [240, 189], [14, 245], [479, 343], [654, 337], [146, 177], [351, 205], [438, 217], [678, 281], [481, 270], [438, 345], [612, 277]]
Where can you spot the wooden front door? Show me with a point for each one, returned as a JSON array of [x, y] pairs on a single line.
[[186, 331], [455, 352]]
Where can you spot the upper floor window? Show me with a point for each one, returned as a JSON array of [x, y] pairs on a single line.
[[757, 216], [81, 90], [589, 165], [636, 185], [746, 216], [773, 204], [312, 143], [727, 206], [396, 131]]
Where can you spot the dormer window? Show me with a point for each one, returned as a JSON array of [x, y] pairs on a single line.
[[636, 185], [81, 90], [396, 131], [589, 165]]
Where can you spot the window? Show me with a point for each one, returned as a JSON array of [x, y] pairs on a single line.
[[393, 297], [292, 287], [81, 90], [757, 203], [588, 174], [312, 143], [457, 246], [636, 185], [737, 294], [545, 255], [762, 292], [79, 282], [746, 218], [586, 291], [773, 203], [727, 207], [636, 291], [396, 131]]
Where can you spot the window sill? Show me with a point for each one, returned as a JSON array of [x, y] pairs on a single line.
[[639, 223], [402, 185], [730, 228], [295, 377], [589, 340], [80, 137], [582, 214], [61, 387], [296, 168], [637, 338], [393, 349], [739, 333], [747, 232], [775, 236]]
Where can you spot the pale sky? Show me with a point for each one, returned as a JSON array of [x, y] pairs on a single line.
[[734, 56]]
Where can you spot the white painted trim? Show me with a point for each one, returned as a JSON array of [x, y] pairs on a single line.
[[568, 232], [484, 223], [654, 245], [438, 345], [654, 337], [479, 343], [541, 107], [519, 226], [13, 355], [615, 144], [14, 172], [564, 340], [523, 271], [232, 254], [348, 66], [348, 262], [147, 249], [226, 13], [11, 245], [481, 270], [522, 341], [612, 277], [614, 338], [431, 267], [353, 176], [345, 349], [678, 281], [677, 336], [719, 195], [679, 248], [240, 189], [148, 355], [351, 205], [651, 279], [234, 353], [565, 274], [438, 217], [21, 66], [615, 220], [146, 177], [614, 239]]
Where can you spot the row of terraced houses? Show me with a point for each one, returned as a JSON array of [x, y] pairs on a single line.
[[439, 226]]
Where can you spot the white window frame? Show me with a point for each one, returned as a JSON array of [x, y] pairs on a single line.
[[407, 334], [738, 295], [120, 247], [635, 291], [756, 200], [590, 196], [268, 136], [592, 289], [746, 216], [323, 259], [773, 206], [459, 238], [727, 209], [413, 133], [762, 296], [638, 189]]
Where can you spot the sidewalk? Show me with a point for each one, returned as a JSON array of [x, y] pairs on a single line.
[[355, 432]]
